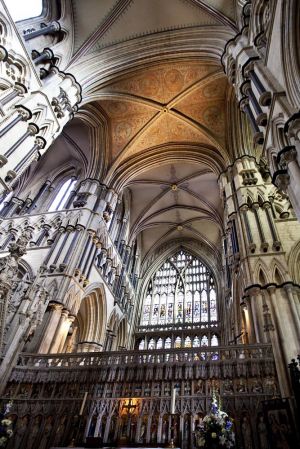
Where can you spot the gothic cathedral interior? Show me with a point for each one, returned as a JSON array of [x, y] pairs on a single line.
[[150, 224]]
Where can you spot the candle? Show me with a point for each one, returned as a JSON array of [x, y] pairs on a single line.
[[83, 403], [173, 400]]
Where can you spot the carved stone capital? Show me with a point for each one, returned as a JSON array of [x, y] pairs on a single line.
[[54, 306], [271, 289], [287, 155], [33, 129], [254, 290], [264, 247], [281, 179]]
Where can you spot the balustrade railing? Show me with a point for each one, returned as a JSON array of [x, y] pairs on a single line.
[[177, 327], [211, 354]]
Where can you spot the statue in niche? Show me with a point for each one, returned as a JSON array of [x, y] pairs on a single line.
[[10, 391], [143, 430], [246, 433], [20, 432], [186, 428], [132, 430], [228, 387], [24, 391], [241, 386], [36, 389], [60, 431], [156, 390], [187, 388], [270, 386], [154, 426], [112, 428], [262, 433], [164, 430], [199, 387], [257, 386], [34, 431], [44, 443]]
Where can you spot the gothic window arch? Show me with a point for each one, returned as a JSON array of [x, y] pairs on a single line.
[[181, 291], [62, 194], [25, 10]]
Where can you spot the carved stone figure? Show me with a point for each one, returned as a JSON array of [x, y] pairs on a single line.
[[246, 433]]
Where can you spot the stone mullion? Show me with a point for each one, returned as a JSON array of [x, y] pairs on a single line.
[[71, 246], [259, 226], [11, 124], [87, 245], [61, 247], [31, 131], [45, 56], [276, 241], [42, 235], [41, 191], [30, 156], [258, 136], [92, 250], [261, 118], [265, 97], [52, 28]]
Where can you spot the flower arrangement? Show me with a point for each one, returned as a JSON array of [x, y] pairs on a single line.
[[215, 430], [5, 426]]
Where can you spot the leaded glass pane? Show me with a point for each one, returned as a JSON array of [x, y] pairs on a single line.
[[168, 343], [181, 291], [214, 341], [178, 342], [151, 344]]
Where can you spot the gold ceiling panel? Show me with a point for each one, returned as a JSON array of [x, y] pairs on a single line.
[[166, 129], [164, 82]]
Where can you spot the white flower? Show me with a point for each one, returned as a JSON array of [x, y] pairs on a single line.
[[222, 439], [6, 422], [3, 441]]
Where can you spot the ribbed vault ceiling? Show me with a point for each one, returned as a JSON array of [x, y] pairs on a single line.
[[165, 103], [98, 24]]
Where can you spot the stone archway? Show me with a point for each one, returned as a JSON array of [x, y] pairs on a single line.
[[90, 321]]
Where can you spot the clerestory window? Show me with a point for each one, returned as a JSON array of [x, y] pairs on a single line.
[[181, 291], [63, 195], [24, 10]]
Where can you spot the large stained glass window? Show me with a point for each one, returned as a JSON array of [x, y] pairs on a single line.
[[181, 291]]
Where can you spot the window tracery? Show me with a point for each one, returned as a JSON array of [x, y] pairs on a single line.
[[181, 291]]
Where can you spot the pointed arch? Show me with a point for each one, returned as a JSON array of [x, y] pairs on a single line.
[[260, 272], [189, 294], [91, 319], [279, 272], [294, 262]]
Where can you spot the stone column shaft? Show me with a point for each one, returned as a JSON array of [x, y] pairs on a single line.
[[50, 328], [49, 29], [64, 332], [58, 331]]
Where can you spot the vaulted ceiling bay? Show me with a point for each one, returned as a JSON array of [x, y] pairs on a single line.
[[178, 107], [164, 109]]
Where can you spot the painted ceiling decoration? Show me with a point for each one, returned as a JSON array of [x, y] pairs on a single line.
[[165, 116]]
